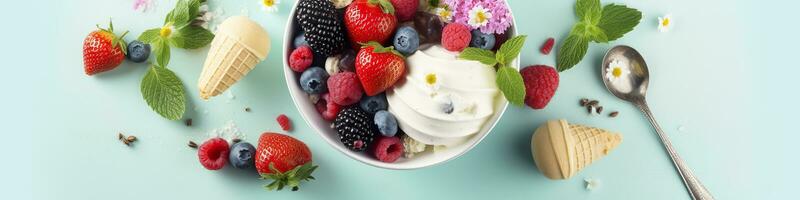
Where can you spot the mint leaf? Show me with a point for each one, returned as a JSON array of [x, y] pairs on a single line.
[[194, 8], [571, 52], [588, 10], [618, 20], [163, 92], [510, 83], [149, 36], [180, 15], [193, 37], [510, 49], [477, 54], [161, 51]]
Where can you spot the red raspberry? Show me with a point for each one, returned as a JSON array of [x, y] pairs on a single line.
[[284, 122], [388, 149], [541, 82], [548, 46], [405, 9], [301, 58], [345, 88], [456, 37], [328, 108], [213, 153]]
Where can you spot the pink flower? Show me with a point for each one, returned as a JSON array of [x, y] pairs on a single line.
[[141, 4], [498, 23]]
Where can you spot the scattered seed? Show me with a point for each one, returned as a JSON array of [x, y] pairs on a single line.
[[130, 138], [120, 136], [613, 114], [593, 103], [237, 140], [192, 145], [126, 142], [247, 109], [589, 109], [599, 109], [584, 101], [189, 122]]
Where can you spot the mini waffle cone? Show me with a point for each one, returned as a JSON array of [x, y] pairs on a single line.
[[591, 144], [232, 60], [560, 150]]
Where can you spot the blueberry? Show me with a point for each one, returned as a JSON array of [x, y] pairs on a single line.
[[314, 80], [373, 104], [241, 155], [300, 40], [138, 51], [386, 122], [406, 40], [482, 40]]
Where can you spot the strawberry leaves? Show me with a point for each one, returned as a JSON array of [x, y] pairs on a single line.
[[161, 88], [385, 5], [289, 178], [116, 41], [509, 81]]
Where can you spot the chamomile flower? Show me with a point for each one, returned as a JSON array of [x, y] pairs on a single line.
[[665, 23], [479, 16], [432, 81], [269, 5], [444, 13], [617, 71]]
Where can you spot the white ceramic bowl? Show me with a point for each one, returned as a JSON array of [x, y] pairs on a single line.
[[323, 127]]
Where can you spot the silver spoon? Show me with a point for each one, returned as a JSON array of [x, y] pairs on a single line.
[[634, 91]]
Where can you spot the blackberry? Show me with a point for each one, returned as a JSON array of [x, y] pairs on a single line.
[[322, 25], [355, 128]]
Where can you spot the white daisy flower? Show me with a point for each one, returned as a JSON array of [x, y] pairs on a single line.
[[269, 5], [444, 14], [665, 23], [617, 71], [432, 81], [479, 16]]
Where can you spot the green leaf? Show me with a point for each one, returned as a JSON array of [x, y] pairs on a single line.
[[618, 20], [433, 3], [477, 54], [510, 83], [385, 5], [149, 36], [571, 52], [163, 92], [180, 15], [588, 10], [510, 49], [161, 51], [192, 37]]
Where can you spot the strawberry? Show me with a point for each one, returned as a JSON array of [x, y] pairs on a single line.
[[103, 50], [379, 67], [284, 159], [370, 20]]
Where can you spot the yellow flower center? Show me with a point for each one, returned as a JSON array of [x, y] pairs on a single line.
[[617, 72], [665, 22], [166, 31], [481, 16], [430, 79], [269, 3]]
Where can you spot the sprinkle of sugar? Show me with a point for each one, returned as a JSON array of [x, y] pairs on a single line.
[[228, 132], [591, 183]]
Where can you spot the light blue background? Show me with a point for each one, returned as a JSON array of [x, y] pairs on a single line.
[[727, 72]]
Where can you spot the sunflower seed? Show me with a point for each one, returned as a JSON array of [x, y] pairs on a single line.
[[599, 109], [131, 138], [247, 109], [192, 145], [593, 103], [589, 109], [189, 122], [613, 114], [237, 140], [584, 101]]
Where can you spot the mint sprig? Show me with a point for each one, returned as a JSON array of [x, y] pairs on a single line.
[[163, 92], [595, 24], [161, 88], [509, 81]]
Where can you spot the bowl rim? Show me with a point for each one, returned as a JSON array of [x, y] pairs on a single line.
[[288, 75]]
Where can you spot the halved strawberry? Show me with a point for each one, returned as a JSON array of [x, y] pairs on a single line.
[[370, 20], [379, 67], [103, 50]]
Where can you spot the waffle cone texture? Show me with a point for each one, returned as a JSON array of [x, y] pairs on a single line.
[[561, 150], [239, 45]]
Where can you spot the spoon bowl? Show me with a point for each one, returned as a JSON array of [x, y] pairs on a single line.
[[632, 87]]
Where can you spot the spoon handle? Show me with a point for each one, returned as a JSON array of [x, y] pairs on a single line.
[[693, 185]]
